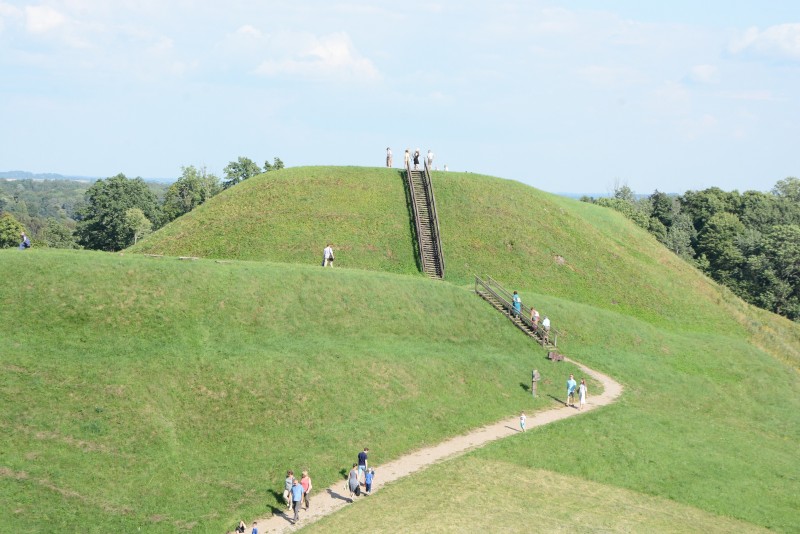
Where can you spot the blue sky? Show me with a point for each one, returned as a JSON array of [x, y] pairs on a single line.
[[566, 96]]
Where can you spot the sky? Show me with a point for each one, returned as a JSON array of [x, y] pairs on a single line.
[[573, 96]]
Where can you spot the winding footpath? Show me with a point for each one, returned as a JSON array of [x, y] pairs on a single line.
[[328, 501]]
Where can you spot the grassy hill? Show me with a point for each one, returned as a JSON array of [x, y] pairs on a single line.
[[209, 361], [167, 395]]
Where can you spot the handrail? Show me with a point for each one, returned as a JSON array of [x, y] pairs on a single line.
[[506, 299], [434, 216], [416, 216]]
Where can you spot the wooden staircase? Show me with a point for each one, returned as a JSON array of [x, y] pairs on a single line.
[[426, 222], [501, 300]]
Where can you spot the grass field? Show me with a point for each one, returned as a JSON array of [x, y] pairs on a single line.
[[172, 395], [163, 395]]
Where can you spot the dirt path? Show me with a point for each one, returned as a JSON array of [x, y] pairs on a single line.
[[327, 501]]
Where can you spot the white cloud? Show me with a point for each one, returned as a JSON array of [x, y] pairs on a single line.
[[704, 74], [781, 41], [330, 56], [43, 19]]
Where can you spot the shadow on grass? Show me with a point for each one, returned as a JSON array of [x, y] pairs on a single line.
[[557, 400], [525, 387], [279, 510]]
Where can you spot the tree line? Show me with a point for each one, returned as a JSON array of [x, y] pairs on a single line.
[[112, 213], [749, 242]]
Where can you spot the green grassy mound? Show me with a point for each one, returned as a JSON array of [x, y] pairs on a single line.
[[167, 395], [204, 356]]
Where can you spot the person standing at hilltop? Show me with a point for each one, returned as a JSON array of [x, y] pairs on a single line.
[[571, 385], [430, 159], [416, 159], [407, 158], [388, 157]]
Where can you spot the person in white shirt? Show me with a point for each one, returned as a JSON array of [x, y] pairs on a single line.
[[327, 256], [430, 159], [388, 157], [546, 328]]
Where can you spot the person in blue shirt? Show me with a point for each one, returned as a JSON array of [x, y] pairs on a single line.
[[517, 303], [255, 528], [297, 498], [368, 480], [571, 385]]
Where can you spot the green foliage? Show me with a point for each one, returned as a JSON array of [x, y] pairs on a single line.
[[190, 190], [276, 165], [137, 224], [239, 171], [58, 235], [103, 224], [10, 230]]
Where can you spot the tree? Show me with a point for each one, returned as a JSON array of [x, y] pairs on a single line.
[[137, 224], [10, 230], [103, 223], [788, 188], [681, 235], [276, 165], [193, 188], [718, 243], [240, 170], [662, 207], [57, 235]]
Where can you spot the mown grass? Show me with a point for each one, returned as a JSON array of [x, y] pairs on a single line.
[[709, 418], [167, 395], [492, 495]]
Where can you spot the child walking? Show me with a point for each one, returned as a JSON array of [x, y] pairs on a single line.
[[522, 420]]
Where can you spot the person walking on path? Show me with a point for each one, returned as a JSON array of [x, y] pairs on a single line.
[[522, 420], [571, 385], [327, 256], [430, 160], [255, 528], [352, 482], [362, 461], [305, 481], [517, 304], [297, 499], [388, 157], [287, 488], [582, 394], [370, 476]]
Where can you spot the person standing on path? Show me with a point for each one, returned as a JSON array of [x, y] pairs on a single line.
[[352, 482], [571, 385], [407, 158], [430, 160], [522, 420], [287, 488], [362, 461], [370, 476], [517, 304], [305, 481], [327, 256], [416, 159], [297, 499], [582, 394], [388, 157]]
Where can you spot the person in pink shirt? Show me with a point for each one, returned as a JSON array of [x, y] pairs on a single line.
[[305, 481]]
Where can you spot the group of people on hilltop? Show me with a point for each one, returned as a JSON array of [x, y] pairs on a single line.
[[408, 157]]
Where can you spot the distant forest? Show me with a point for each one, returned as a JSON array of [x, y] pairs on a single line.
[[749, 242]]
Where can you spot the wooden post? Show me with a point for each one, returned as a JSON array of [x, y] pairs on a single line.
[[535, 377]]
